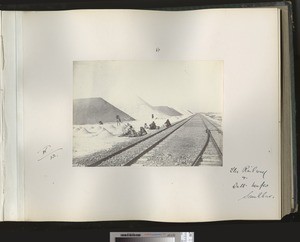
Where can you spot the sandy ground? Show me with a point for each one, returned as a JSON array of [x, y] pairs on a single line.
[[88, 139], [215, 117]]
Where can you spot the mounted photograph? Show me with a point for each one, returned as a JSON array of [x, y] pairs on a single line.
[[147, 113]]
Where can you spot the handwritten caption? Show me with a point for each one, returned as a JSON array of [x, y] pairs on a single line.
[[48, 152], [252, 182]]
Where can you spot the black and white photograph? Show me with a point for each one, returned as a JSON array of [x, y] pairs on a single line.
[[147, 113]]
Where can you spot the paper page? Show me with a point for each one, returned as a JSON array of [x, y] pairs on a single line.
[[240, 46], [1, 133], [10, 165]]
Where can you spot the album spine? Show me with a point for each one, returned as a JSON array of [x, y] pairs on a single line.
[[2, 135]]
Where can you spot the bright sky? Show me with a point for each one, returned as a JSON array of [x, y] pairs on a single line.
[[192, 85]]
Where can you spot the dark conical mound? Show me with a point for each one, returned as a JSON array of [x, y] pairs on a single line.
[[93, 110]]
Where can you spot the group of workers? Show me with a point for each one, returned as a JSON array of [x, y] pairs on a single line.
[[129, 131]]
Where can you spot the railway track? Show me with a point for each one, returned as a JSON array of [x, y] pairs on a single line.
[[212, 153], [179, 149], [143, 151], [135, 159], [198, 159], [211, 123], [137, 149]]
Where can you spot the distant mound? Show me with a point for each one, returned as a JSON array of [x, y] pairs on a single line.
[[167, 110], [184, 111], [138, 108], [93, 110]]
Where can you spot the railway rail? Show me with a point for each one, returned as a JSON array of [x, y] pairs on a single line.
[[210, 152], [147, 139], [213, 124]]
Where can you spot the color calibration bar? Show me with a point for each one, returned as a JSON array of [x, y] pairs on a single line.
[[152, 237]]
